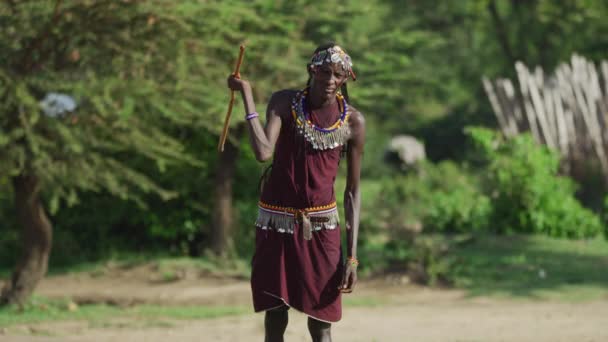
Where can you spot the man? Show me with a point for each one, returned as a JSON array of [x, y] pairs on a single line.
[[298, 259]]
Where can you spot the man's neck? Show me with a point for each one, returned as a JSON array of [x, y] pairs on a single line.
[[319, 101]]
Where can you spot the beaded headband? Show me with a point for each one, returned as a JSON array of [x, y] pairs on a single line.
[[336, 55]]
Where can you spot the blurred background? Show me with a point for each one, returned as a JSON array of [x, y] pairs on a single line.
[[484, 171]]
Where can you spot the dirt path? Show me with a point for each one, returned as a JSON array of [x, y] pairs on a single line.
[[394, 313]]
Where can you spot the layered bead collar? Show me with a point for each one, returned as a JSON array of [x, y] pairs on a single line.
[[321, 138]]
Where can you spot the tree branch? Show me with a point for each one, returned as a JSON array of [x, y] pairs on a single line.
[[13, 6], [26, 66], [501, 32]]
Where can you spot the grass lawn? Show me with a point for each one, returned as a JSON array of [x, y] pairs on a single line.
[[43, 309], [531, 267], [40, 309], [513, 267]]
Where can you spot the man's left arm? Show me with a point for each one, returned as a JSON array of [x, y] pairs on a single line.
[[352, 197]]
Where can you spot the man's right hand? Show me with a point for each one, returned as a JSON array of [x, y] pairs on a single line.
[[237, 84]]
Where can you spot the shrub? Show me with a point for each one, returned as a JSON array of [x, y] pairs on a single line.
[[527, 193], [439, 197]]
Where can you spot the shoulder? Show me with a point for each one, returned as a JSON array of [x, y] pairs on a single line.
[[356, 122], [356, 119], [282, 97], [280, 101]]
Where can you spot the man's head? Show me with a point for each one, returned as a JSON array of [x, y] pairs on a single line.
[[331, 54], [329, 68]]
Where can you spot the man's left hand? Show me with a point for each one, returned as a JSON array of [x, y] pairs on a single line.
[[349, 279]]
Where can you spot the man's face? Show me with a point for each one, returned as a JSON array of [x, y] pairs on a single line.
[[327, 79]]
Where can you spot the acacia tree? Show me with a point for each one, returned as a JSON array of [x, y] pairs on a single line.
[[132, 68]]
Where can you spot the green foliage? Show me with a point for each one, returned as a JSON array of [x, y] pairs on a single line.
[[527, 193], [180, 226], [472, 40], [442, 197], [395, 210], [127, 66], [510, 186], [149, 79], [457, 204]]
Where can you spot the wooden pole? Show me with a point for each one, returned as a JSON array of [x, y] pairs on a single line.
[[496, 106], [522, 76], [237, 74], [512, 101]]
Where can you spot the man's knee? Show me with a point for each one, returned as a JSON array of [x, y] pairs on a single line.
[[275, 324], [277, 317], [282, 308], [319, 330]]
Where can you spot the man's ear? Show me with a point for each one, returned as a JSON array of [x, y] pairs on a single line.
[[311, 70]]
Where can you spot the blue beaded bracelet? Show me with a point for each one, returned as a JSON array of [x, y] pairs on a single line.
[[251, 116]]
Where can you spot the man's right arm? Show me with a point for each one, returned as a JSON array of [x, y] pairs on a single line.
[[262, 138]]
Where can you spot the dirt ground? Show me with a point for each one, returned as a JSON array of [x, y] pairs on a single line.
[[381, 310]]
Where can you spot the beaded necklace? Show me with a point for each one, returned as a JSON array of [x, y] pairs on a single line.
[[320, 138]]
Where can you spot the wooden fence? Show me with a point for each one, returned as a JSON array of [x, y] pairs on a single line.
[[568, 110]]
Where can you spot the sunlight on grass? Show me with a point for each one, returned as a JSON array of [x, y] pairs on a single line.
[[167, 266], [188, 312], [354, 301], [533, 267], [42, 309], [224, 266]]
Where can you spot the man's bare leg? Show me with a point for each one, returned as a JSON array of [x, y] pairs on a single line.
[[319, 331], [275, 323]]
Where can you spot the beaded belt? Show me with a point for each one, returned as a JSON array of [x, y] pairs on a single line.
[[283, 219]]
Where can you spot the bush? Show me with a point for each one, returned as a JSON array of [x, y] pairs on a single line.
[[527, 194], [457, 204], [507, 186], [99, 225], [439, 197]]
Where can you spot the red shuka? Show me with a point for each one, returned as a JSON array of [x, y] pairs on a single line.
[[286, 268]]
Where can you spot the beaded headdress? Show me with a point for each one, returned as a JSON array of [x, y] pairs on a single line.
[[336, 55]]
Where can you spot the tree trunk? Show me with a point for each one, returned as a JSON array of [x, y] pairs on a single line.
[[222, 215], [501, 32], [36, 239]]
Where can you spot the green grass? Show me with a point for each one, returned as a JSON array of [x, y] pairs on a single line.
[[119, 259], [228, 267], [168, 268], [513, 267], [167, 265], [367, 301], [531, 267], [43, 310]]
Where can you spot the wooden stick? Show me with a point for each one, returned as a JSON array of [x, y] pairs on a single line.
[[498, 110], [507, 99], [236, 74], [522, 76]]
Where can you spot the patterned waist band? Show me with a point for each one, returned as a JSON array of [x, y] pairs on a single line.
[[284, 219]]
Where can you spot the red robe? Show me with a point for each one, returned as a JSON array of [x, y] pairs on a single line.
[[286, 268]]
